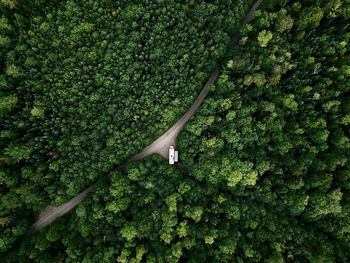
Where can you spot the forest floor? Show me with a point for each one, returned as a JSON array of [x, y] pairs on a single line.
[[159, 146]]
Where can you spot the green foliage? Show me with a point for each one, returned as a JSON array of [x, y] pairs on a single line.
[[284, 23], [7, 103], [97, 86], [84, 85], [310, 17], [264, 38], [5, 42], [283, 166], [37, 112], [18, 152]]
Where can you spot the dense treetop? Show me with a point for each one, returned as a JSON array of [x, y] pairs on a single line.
[[274, 134], [85, 85], [265, 175], [100, 85]]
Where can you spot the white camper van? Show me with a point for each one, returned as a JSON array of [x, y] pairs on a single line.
[[173, 155]]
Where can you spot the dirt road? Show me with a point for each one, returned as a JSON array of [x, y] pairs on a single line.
[[51, 213], [159, 146]]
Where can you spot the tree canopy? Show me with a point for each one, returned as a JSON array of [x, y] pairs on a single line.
[[264, 173]]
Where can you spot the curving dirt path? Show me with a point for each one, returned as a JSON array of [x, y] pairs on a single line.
[[51, 213], [159, 146]]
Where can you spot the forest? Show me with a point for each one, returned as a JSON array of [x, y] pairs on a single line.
[[264, 172]]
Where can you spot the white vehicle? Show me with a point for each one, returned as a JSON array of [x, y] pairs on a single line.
[[173, 155]]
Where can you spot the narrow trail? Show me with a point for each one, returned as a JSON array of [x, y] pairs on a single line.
[[159, 146], [51, 213]]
